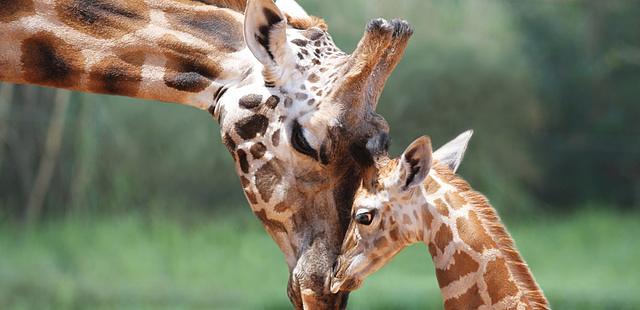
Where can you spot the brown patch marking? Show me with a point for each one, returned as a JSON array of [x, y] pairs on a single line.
[[441, 207], [272, 102], [499, 285], [313, 34], [275, 138], [281, 207], [428, 218], [189, 73], [188, 68], [250, 101], [394, 234], [432, 186], [216, 27], [135, 58], [300, 42], [471, 299], [432, 250], [455, 200], [463, 264], [381, 242], [313, 78], [267, 177], [244, 181], [443, 237], [229, 143], [48, 60], [473, 234], [251, 196], [258, 150], [252, 126], [104, 19], [113, 75], [176, 45], [242, 160], [15, 9], [272, 225]]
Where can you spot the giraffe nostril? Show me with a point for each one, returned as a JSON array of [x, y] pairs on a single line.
[[378, 144]]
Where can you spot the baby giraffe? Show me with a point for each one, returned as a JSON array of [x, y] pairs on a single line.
[[416, 199]]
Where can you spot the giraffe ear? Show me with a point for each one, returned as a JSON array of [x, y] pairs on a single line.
[[415, 163], [451, 154], [265, 33]]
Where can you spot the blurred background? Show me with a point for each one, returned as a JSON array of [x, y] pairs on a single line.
[[109, 202]]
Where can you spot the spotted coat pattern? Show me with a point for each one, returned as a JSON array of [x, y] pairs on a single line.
[[477, 266]]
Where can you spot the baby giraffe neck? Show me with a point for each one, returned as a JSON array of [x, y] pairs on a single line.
[[477, 265]]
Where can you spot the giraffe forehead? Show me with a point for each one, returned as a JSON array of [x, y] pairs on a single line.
[[317, 58], [368, 200]]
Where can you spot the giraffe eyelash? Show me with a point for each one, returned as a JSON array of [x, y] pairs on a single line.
[[300, 143]]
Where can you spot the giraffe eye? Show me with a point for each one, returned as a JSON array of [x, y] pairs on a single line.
[[364, 217], [300, 143]]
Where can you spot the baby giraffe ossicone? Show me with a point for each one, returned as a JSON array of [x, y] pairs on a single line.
[[419, 198]]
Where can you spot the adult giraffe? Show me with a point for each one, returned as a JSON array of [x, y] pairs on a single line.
[[295, 112]]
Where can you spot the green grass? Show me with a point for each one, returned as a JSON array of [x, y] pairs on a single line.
[[584, 261]]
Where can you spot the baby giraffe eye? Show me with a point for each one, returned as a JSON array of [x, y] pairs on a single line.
[[364, 217]]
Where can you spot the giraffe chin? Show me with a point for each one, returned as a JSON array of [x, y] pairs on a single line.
[[344, 285]]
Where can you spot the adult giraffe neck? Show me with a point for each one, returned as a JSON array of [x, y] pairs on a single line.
[[172, 51]]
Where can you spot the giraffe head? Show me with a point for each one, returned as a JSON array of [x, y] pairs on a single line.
[[387, 212], [302, 128]]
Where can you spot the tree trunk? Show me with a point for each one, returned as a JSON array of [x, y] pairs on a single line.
[[85, 156], [6, 98], [49, 157]]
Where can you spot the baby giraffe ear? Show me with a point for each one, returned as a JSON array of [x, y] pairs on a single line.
[[415, 163], [451, 154], [265, 33]]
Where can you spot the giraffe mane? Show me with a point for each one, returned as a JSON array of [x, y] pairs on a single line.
[[492, 222], [306, 23]]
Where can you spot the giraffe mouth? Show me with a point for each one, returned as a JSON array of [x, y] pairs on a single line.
[[336, 284], [341, 280]]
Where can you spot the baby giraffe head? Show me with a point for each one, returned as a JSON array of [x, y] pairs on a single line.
[[388, 212]]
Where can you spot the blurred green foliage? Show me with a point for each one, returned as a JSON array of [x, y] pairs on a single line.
[[226, 261]]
